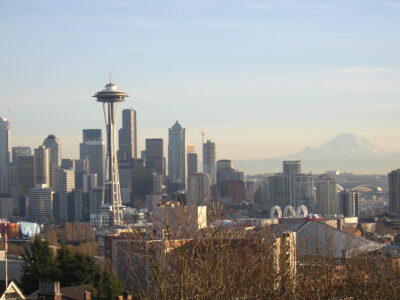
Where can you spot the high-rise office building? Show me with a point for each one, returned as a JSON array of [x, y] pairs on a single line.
[[67, 163], [25, 172], [125, 169], [53, 144], [60, 207], [191, 160], [89, 182], [209, 160], [157, 184], [224, 164], [176, 157], [81, 168], [64, 180], [5, 153], [291, 188], [326, 196], [394, 192], [91, 135], [155, 156], [128, 135], [40, 202], [6, 206], [80, 206], [42, 165], [348, 201], [198, 190], [92, 149], [19, 151], [278, 192], [302, 191], [231, 183], [291, 167]]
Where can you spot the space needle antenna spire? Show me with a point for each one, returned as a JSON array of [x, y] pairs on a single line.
[[110, 97]]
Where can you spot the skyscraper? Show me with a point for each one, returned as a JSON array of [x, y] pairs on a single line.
[[176, 157], [92, 149], [64, 180], [54, 146], [18, 151], [191, 160], [128, 135], [42, 165], [5, 153], [291, 187], [231, 183], [291, 167], [155, 156], [348, 201], [6, 206], [302, 190], [40, 202], [25, 172], [198, 191], [326, 196], [394, 192], [209, 160]]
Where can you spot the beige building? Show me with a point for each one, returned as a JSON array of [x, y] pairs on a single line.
[[198, 191], [178, 221]]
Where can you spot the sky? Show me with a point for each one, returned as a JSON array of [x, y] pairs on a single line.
[[261, 78]]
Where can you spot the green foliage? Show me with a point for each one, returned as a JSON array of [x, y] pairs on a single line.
[[38, 265], [69, 268]]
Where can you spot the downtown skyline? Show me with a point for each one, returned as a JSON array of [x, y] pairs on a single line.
[[262, 79]]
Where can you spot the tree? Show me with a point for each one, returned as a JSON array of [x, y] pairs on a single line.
[[38, 265], [68, 268], [78, 268]]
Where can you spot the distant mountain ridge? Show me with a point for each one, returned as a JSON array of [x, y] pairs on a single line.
[[346, 152]]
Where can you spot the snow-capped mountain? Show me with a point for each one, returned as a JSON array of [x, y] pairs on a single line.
[[345, 152]]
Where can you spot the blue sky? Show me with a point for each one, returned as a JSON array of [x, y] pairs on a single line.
[[262, 78]]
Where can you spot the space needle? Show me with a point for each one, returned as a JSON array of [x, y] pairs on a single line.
[[110, 97]]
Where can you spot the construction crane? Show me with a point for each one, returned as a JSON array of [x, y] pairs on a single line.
[[203, 134]]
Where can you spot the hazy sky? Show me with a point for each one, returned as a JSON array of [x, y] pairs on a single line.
[[262, 78]]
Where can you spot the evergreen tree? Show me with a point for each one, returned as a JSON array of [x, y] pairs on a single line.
[[38, 265], [69, 269]]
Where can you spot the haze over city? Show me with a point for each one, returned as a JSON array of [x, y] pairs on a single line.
[[262, 78], [199, 149]]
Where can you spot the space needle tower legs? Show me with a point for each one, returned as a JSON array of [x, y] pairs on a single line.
[[110, 97]]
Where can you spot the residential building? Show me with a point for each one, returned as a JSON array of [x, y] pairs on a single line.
[[326, 196], [178, 221], [290, 188], [348, 200], [198, 190]]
